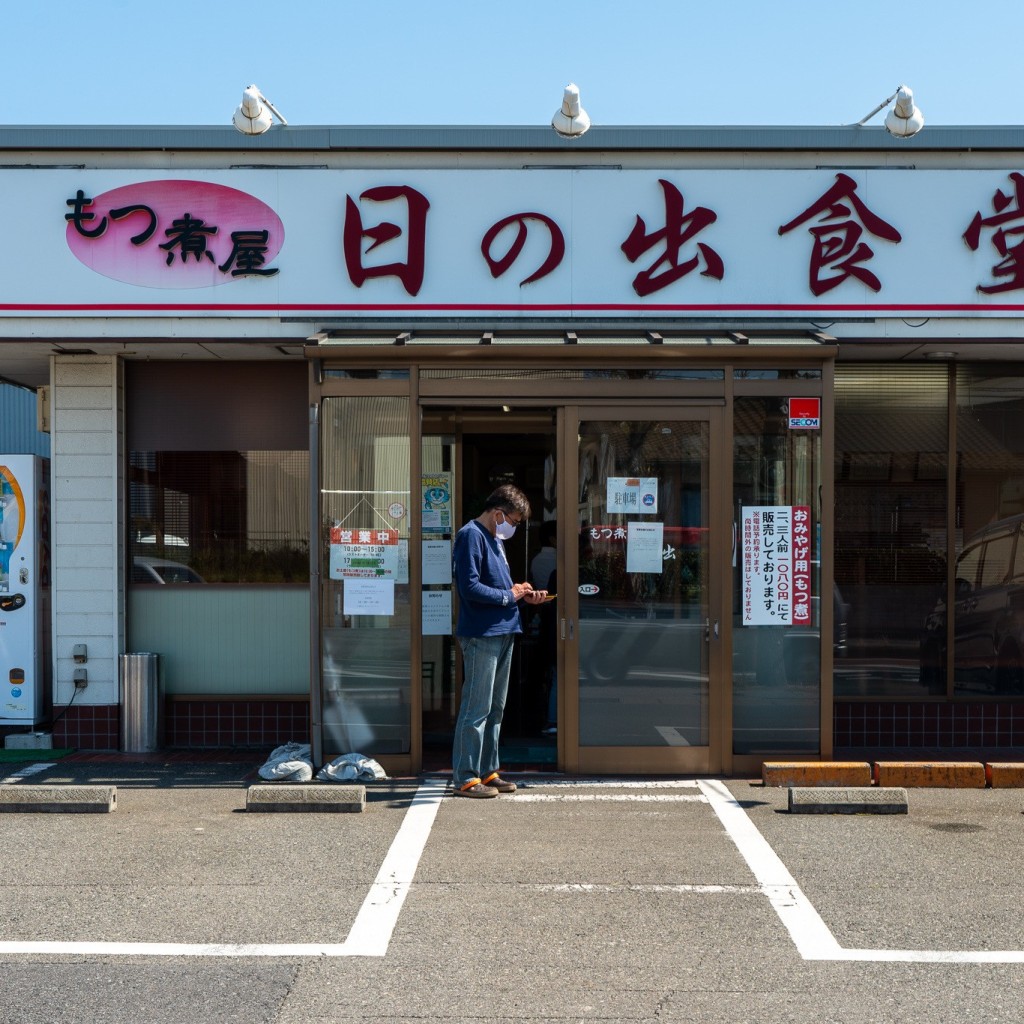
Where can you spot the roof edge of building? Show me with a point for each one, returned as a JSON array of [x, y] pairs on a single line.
[[525, 138]]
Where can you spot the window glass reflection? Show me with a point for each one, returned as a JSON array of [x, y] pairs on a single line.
[[643, 536], [776, 668], [365, 621], [988, 610], [890, 527]]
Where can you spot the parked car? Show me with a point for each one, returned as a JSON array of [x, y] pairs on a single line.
[[162, 570], [988, 615]]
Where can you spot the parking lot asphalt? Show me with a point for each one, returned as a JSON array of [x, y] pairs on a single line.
[[574, 899]]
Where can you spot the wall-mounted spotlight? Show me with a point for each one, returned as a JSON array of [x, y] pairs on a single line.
[[904, 119], [570, 120], [256, 113]]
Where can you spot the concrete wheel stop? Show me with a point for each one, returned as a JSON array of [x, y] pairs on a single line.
[[58, 799], [848, 800], [324, 797]]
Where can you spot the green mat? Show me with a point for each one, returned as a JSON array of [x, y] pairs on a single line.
[[32, 756]]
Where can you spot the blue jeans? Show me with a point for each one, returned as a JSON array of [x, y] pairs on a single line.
[[486, 662]]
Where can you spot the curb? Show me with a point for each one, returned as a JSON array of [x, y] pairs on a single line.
[[931, 774], [1004, 775], [909, 774], [816, 773]]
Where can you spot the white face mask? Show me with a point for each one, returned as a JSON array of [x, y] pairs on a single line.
[[505, 530]]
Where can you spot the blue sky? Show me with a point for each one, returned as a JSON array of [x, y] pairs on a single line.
[[793, 62]]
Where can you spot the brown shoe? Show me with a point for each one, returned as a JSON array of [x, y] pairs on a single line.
[[501, 785], [475, 788]]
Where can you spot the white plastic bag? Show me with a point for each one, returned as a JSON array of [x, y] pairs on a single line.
[[290, 762], [351, 768]]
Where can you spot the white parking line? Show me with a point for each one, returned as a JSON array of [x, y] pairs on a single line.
[[370, 933], [810, 934], [23, 773], [608, 783], [522, 798], [374, 925], [588, 887]]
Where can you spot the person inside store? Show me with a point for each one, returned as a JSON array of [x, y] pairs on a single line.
[[487, 626], [543, 574]]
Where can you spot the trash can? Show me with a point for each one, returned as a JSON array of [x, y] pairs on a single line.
[[140, 702]]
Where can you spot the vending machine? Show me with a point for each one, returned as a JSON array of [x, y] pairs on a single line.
[[25, 670]]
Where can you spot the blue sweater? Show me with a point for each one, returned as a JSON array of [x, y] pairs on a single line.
[[486, 604]]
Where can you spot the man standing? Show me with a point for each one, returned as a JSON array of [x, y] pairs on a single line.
[[487, 627]]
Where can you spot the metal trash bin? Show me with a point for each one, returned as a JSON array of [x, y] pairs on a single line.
[[140, 702]]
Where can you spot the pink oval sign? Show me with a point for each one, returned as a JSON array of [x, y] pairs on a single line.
[[174, 234]]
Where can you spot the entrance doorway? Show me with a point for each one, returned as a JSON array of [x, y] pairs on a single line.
[[616, 672], [474, 451], [643, 619]]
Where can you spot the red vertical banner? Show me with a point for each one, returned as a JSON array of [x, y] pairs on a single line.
[[801, 565]]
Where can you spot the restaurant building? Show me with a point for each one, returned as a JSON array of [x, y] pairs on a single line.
[[765, 382]]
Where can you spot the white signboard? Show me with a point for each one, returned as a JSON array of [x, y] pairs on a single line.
[[659, 242]]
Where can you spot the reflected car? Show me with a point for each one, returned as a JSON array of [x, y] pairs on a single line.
[[168, 540], [162, 570], [801, 647], [988, 615]]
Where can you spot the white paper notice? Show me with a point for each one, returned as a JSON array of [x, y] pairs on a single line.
[[644, 547], [437, 562], [769, 569], [369, 597], [437, 612], [632, 495]]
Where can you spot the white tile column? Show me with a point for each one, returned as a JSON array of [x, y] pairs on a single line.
[[87, 432]]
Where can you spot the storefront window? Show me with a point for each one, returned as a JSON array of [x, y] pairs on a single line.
[[218, 473], [776, 580], [217, 524], [890, 527], [219, 517], [365, 619], [988, 626]]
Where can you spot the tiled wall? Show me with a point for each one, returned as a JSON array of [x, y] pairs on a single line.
[[930, 724], [87, 727], [229, 723], [200, 723]]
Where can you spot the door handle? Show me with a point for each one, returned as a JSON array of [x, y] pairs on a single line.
[[572, 628], [710, 630]]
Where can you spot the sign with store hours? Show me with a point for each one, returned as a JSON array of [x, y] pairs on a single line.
[[363, 554]]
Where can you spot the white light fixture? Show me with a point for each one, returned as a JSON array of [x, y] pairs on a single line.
[[904, 119], [253, 116], [570, 120]]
